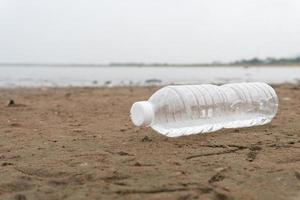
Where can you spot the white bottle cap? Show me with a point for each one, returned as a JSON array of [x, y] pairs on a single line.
[[142, 113]]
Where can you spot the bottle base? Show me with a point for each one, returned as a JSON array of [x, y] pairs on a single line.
[[193, 127]]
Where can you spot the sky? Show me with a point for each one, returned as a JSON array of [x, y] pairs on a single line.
[[174, 31]]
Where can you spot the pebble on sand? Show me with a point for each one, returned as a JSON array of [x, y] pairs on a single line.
[[10, 103]]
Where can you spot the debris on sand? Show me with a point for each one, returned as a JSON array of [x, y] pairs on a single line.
[[15, 124], [137, 164], [217, 177], [251, 156], [297, 174], [151, 81], [253, 152], [146, 139], [255, 148], [123, 153], [11, 103], [6, 164], [123, 129], [20, 197]]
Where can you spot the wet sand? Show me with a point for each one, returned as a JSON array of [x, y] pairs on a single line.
[[79, 143]]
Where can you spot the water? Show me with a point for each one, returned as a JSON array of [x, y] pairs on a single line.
[[63, 76], [190, 109]]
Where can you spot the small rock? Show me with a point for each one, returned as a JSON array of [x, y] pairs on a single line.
[[177, 163], [20, 197], [297, 174], [221, 196], [15, 125], [11, 103], [255, 148], [251, 156], [216, 178], [137, 164], [6, 164], [146, 139], [123, 153]]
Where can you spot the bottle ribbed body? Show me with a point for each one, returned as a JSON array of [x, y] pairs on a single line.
[[190, 109]]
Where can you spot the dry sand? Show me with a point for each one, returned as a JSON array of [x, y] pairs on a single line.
[[79, 143]]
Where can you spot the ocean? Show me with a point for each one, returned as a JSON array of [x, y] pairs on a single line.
[[92, 76]]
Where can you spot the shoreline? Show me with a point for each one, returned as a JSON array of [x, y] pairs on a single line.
[[125, 86], [139, 76], [144, 65]]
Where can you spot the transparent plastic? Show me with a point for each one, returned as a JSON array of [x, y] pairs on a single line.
[[190, 109]]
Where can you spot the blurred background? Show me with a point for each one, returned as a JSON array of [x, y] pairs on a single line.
[[145, 42]]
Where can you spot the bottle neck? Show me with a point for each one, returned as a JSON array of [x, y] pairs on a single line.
[[142, 113]]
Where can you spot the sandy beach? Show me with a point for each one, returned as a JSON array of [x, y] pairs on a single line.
[[79, 143]]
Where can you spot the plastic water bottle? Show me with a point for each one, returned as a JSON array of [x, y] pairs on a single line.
[[189, 109]]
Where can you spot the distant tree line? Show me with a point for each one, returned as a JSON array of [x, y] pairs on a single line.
[[243, 62], [268, 61]]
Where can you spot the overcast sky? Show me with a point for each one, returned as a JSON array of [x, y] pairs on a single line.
[[102, 31]]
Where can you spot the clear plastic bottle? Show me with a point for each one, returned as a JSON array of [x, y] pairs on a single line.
[[189, 109]]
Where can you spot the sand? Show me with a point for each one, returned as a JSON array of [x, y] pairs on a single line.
[[79, 143]]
